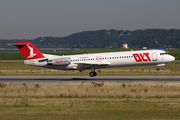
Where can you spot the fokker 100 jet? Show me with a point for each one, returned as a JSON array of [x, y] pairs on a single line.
[[92, 61]]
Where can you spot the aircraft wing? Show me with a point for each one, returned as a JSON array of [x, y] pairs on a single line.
[[93, 64], [83, 66]]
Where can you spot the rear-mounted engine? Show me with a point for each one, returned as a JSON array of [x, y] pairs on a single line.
[[59, 61]]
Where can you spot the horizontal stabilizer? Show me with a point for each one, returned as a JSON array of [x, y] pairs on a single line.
[[14, 44]]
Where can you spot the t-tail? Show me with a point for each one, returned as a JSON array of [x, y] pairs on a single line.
[[28, 50]]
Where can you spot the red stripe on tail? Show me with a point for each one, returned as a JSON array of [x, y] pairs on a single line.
[[28, 50]]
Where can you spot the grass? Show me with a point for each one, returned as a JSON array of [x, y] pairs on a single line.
[[11, 56], [91, 90], [19, 68], [19, 56], [76, 101], [91, 109]]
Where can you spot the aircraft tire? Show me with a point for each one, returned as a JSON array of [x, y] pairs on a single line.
[[157, 69], [95, 73], [91, 74]]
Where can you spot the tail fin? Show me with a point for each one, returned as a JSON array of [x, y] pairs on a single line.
[[28, 50]]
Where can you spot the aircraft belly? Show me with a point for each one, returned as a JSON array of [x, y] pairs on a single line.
[[63, 67]]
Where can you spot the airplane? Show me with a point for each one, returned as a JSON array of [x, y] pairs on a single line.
[[92, 61]]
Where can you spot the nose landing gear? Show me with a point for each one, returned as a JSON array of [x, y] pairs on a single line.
[[157, 69]]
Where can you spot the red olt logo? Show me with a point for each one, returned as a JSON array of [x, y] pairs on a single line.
[[140, 57]]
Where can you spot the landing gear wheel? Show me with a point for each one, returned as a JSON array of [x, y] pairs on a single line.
[[157, 69], [92, 74], [95, 73]]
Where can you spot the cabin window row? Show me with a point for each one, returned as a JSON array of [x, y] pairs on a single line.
[[103, 58]]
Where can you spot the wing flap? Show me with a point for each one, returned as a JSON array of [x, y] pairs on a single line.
[[83, 66]]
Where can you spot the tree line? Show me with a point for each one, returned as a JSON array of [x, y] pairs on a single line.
[[150, 38]]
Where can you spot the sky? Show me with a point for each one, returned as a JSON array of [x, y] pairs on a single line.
[[29, 19]]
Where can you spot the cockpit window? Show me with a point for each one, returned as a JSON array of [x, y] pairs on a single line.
[[163, 53]]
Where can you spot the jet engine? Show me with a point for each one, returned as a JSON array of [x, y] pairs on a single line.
[[59, 61]]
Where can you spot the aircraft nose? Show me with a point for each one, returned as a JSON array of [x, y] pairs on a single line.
[[171, 58]]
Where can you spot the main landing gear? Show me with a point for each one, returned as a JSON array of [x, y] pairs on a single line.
[[92, 73]]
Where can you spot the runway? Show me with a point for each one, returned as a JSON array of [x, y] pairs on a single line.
[[57, 79]]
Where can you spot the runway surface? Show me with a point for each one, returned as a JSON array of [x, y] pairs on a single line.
[[57, 79]]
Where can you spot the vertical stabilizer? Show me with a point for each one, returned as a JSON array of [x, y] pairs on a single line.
[[28, 50]]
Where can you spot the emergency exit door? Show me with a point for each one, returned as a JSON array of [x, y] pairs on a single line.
[[154, 56]]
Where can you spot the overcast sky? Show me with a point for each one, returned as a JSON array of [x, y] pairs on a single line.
[[29, 19]]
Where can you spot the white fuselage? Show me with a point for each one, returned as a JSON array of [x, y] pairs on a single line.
[[104, 60]]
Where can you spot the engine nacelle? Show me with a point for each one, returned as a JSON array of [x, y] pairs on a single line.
[[59, 61]]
